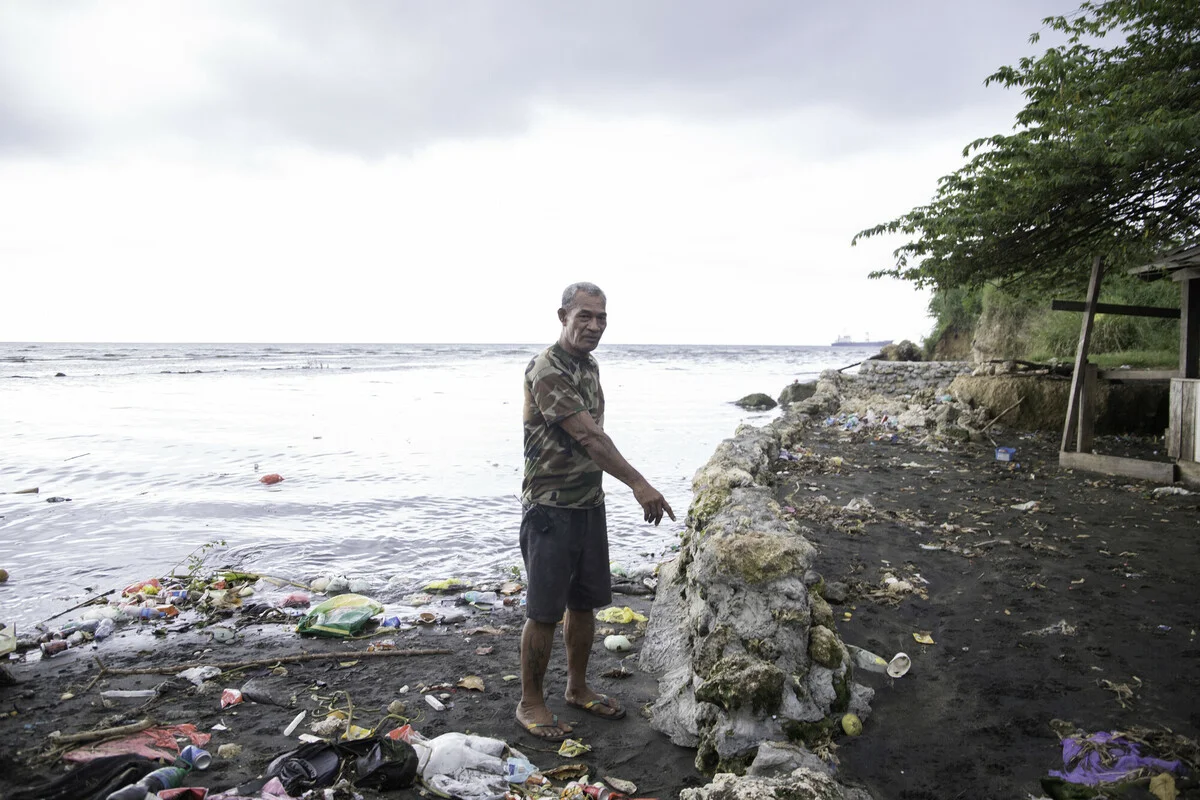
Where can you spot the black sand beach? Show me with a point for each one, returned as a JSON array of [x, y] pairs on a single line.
[[1083, 610]]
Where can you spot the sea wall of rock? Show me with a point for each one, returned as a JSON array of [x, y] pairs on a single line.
[[740, 636], [896, 378]]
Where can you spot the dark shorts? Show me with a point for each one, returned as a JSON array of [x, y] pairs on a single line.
[[566, 560]]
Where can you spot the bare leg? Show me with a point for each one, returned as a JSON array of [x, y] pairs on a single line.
[[579, 632], [537, 639]]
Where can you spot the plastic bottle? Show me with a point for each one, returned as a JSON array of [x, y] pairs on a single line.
[[165, 778], [128, 694], [131, 792], [518, 770], [88, 625], [480, 597], [105, 628]]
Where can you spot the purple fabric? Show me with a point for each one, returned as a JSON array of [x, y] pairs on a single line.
[[1088, 770]]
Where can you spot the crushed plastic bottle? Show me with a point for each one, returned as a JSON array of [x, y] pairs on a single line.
[[518, 770], [105, 628]]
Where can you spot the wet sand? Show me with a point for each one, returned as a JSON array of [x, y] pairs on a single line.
[[1112, 562]]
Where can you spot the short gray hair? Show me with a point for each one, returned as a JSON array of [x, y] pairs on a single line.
[[591, 289]]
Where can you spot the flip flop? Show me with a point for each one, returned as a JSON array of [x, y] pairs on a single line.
[[603, 701], [532, 727]]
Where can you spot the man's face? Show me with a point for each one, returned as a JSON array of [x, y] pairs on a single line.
[[583, 324]]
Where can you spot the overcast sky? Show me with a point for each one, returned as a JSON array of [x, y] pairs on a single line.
[[437, 171]]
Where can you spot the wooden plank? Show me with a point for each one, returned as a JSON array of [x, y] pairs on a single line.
[[1115, 308], [1175, 417], [1087, 411], [1186, 274], [1085, 337], [1138, 374], [1188, 411], [1189, 473], [1189, 329], [1157, 471]]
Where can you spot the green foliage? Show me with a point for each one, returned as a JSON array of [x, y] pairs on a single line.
[[1104, 159], [197, 560], [1055, 334], [1137, 359], [953, 309]]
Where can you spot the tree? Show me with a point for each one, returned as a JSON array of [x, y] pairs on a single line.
[[1104, 159]]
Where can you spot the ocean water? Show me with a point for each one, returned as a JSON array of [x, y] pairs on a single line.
[[401, 463]]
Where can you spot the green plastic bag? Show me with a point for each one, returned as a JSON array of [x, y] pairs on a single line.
[[344, 615]]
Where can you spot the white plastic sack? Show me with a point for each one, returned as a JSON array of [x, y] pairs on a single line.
[[451, 752]]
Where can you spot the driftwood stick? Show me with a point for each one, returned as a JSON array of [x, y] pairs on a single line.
[[103, 733], [77, 606], [266, 662], [1002, 413], [848, 366]]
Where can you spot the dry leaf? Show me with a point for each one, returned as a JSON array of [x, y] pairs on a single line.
[[484, 651], [566, 772], [1162, 786], [923, 637], [472, 682]]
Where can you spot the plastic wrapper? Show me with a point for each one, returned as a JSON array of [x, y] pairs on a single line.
[[344, 615]]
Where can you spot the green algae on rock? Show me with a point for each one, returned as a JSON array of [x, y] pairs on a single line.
[[743, 682]]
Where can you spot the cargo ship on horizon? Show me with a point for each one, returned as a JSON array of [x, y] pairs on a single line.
[[846, 341]]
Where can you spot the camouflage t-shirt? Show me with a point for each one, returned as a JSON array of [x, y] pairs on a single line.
[[558, 471]]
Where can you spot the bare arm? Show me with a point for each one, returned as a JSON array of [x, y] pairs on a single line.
[[583, 429]]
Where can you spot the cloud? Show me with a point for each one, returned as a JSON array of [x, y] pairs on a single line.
[[379, 78]]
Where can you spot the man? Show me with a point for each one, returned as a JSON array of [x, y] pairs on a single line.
[[564, 538]]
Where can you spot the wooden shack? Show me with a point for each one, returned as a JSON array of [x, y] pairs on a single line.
[[1183, 434]]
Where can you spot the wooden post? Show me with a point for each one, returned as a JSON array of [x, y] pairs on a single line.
[[1085, 337], [1189, 328], [1087, 410]]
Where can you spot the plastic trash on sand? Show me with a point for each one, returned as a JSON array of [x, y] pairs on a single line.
[[1006, 453], [471, 767], [344, 615], [616, 614], [866, 660], [374, 762], [447, 585], [1106, 758], [8, 639]]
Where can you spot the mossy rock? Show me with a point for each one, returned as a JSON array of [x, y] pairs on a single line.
[[709, 762], [792, 616], [824, 647], [710, 650], [759, 557], [766, 649], [756, 402], [706, 505], [841, 688], [810, 734], [822, 614], [903, 351], [740, 681], [796, 392]]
